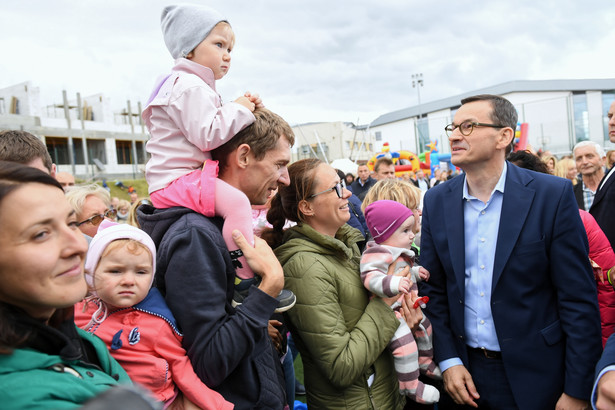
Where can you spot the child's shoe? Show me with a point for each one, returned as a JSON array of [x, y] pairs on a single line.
[[286, 298]]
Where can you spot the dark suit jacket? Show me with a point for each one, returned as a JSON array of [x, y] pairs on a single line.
[[578, 194], [361, 190], [603, 209], [608, 356], [416, 182], [544, 301]]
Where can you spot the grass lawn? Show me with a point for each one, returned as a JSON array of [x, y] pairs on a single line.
[[138, 184], [299, 375]]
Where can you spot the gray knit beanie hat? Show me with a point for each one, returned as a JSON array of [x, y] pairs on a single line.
[[184, 26]]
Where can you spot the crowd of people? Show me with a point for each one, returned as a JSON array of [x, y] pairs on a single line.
[[490, 288]]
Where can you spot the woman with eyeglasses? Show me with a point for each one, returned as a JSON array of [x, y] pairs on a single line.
[[341, 332], [45, 361], [92, 204]]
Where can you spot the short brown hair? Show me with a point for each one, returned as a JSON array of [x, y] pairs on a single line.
[[23, 148], [503, 112], [383, 160], [262, 136]]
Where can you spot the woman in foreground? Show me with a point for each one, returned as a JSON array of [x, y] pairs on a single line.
[[45, 361]]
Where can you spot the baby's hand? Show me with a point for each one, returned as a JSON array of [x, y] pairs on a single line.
[[423, 273], [255, 99], [245, 101], [404, 285]]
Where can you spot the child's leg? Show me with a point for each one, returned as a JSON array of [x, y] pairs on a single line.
[[425, 345], [234, 206], [202, 192], [405, 358], [184, 191]]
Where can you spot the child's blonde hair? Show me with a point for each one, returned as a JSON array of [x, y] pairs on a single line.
[[403, 192]]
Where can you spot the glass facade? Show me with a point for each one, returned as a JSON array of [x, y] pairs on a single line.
[[581, 118], [607, 99], [422, 126]]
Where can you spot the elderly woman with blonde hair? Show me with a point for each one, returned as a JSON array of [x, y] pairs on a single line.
[[92, 204]]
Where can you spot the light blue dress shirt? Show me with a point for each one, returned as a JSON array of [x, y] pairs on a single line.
[[481, 226]]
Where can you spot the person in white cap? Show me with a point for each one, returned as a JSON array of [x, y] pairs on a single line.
[[187, 119], [133, 319]]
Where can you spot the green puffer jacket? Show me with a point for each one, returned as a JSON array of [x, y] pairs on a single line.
[[30, 379], [342, 334]]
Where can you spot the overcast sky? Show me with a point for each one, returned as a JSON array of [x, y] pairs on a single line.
[[317, 60]]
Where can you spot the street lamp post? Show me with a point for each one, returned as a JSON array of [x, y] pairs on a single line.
[[417, 82]]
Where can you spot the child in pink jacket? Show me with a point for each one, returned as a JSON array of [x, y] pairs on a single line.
[[391, 225], [187, 119], [135, 322]]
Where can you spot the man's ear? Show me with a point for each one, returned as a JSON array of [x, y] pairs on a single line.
[[305, 207], [242, 155], [506, 137]]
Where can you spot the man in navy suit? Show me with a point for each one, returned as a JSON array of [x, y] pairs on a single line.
[[513, 300], [604, 200]]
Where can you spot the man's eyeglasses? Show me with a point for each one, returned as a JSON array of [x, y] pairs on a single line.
[[97, 219], [466, 127], [338, 188]]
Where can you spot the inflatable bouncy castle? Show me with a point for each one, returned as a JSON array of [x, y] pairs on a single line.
[[406, 161]]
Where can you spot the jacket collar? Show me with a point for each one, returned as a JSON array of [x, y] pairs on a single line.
[[603, 188], [154, 304], [183, 65], [343, 245], [59, 338]]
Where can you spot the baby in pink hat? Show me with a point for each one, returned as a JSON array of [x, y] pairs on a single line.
[[134, 321], [390, 224]]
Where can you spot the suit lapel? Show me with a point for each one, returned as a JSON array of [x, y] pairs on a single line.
[[601, 191], [455, 229], [515, 209]]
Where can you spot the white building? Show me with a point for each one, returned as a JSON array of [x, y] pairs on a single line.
[[104, 142], [559, 113], [336, 140]]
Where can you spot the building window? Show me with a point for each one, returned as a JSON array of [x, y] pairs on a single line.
[[378, 136], [581, 121], [123, 150], [96, 150], [58, 150], [141, 153], [607, 99], [308, 151], [78, 151]]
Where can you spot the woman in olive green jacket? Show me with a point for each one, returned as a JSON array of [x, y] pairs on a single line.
[[341, 333]]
